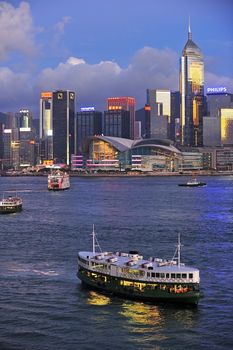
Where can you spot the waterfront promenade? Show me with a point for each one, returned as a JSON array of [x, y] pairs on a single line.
[[121, 174]]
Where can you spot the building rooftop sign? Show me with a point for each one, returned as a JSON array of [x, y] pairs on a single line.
[[87, 109], [216, 90]]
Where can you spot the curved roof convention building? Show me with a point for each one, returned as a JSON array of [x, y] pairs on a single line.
[[122, 145]]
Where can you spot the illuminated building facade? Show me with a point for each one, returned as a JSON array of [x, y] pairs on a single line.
[[192, 94], [46, 126], [114, 153], [218, 98], [226, 117], [26, 147], [57, 112], [24, 118], [11, 148], [127, 104], [88, 122]]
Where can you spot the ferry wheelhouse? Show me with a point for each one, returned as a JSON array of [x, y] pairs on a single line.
[[130, 275]]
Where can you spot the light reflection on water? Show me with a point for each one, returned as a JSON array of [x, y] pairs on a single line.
[[97, 299], [38, 264]]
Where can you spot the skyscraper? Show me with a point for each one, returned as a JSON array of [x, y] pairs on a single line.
[[192, 94], [143, 116], [24, 118], [63, 113], [160, 104], [126, 103], [117, 123], [57, 110], [226, 116], [88, 122], [46, 127]]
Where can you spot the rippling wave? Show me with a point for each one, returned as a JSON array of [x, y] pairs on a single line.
[[44, 306]]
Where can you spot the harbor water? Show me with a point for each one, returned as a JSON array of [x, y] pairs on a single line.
[[44, 306]]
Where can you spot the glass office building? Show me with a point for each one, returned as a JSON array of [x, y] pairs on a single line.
[[226, 116], [192, 94], [127, 104], [63, 112]]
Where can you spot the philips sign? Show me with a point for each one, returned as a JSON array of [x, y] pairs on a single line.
[[217, 90]]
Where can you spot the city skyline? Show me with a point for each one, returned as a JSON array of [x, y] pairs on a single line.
[[117, 48]]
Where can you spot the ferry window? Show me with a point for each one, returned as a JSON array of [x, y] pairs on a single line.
[[173, 275], [152, 274], [167, 275], [150, 268], [190, 275], [178, 275], [162, 275], [158, 275], [184, 275], [148, 274]]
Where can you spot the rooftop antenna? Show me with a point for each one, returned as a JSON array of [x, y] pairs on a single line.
[[189, 30]]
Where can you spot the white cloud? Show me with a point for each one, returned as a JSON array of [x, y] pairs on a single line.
[[15, 90], [93, 83], [74, 61], [149, 68], [16, 30], [60, 26]]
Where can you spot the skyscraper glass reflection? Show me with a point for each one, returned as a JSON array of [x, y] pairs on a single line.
[[192, 94]]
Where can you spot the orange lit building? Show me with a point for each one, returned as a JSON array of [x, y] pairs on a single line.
[[127, 104]]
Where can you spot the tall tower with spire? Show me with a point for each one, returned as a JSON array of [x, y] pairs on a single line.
[[192, 93]]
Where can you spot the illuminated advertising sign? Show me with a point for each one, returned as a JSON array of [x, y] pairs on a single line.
[[216, 90], [111, 108], [87, 109], [46, 94]]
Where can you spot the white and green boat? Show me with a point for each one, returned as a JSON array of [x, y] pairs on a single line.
[[130, 275]]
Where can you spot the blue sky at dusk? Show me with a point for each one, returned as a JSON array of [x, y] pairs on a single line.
[[104, 48]]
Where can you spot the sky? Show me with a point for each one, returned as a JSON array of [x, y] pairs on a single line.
[[107, 48]]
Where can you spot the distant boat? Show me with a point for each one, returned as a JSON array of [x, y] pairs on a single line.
[[58, 181], [193, 183], [131, 276], [10, 204]]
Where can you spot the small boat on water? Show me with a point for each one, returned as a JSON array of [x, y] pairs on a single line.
[[10, 205], [193, 183], [58, 180], [130, 275]]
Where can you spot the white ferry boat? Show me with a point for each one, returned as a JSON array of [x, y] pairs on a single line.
[[193, 183], [10, 205], [58, 180], [130, 275]]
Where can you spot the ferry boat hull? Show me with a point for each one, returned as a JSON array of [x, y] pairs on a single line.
[[137, 290], [10, 207], [198, 184]]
